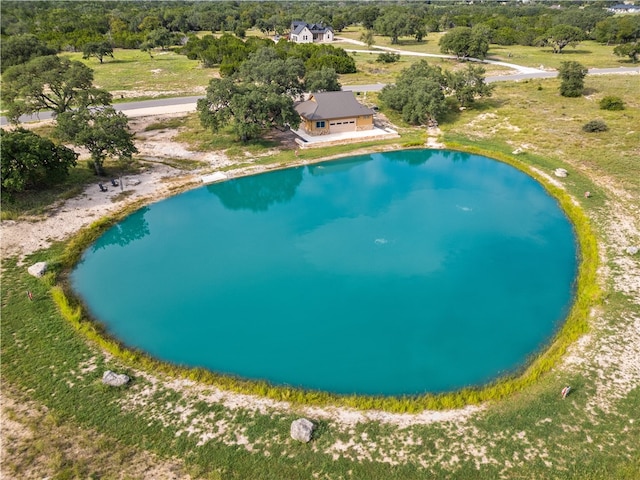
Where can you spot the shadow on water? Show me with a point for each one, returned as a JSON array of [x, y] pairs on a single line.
[[337, 166], [421, 156], [132, 228], [259, 192]]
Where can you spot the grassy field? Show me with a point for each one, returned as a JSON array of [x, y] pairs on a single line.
[[133, 74], [193, 428], [591, 54]]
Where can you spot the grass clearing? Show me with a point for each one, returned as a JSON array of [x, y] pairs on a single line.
[[134, 75], [590, 53]]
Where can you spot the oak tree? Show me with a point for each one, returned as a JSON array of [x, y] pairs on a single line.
[[49, 83]]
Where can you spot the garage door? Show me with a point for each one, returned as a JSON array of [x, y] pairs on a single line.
[[345, 125]]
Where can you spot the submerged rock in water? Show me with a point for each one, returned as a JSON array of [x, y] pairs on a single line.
[[301, 430], [114, 379]]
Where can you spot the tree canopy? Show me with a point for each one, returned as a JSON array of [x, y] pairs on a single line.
[[418, 94], [70, 25], [49, 83], [268, 67], [421, 90], [324, 80], [631, 50], [98, 50], [572, 76], [561, 36], [19, 49], [467, 85], [466, 42], [249, 108], [30, 161], [103, 131]]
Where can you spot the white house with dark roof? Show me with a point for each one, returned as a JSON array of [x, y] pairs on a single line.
[[302, 32], [624, 8], [334, 112]]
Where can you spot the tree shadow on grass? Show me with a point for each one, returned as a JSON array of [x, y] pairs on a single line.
[[118, 60], [572, 51]]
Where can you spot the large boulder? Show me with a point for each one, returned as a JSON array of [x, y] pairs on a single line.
[[114, 379], [38, 269], [301, 430], [560, 172]]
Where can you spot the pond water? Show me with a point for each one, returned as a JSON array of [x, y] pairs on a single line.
[[386, 274]]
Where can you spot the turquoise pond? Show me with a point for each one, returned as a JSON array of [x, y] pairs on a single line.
[[386, 274]]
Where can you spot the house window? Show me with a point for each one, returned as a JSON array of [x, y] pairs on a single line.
[[320, 124]]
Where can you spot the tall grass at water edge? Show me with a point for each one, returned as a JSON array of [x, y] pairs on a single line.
[[586, 297]]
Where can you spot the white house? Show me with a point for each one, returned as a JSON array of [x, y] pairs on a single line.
[[302, 32], [624, 8]]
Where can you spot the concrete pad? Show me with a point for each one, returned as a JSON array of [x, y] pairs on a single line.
[[314, 141]]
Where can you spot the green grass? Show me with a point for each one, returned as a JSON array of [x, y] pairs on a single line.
[[591, 54], [133, 75], [165, 124], [533, 113], [47, 343]]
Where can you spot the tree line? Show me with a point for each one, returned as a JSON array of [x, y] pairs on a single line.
[[71, 25]]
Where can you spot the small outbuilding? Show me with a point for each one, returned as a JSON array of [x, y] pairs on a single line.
[[334, 112]]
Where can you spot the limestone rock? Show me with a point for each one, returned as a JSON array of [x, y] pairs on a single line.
[[38, 269], [560, 172], [632, 250], [114, 379], [301, 430]]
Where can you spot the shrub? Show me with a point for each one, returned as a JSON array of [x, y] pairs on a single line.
[[388, 57], [611, 103], [595, 126], [572, 76]]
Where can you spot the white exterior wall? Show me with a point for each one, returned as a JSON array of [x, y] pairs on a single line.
[[305, 36], [328, 36]]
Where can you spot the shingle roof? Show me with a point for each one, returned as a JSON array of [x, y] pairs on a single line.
[[297, 26], [326, 105]]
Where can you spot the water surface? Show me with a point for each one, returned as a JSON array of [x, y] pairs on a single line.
[[396, 273]]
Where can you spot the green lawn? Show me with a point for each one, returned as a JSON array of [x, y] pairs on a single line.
[[591, 54], [133, 74]]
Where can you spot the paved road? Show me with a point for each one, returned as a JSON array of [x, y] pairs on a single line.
[[131, 109], [188, 104]]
